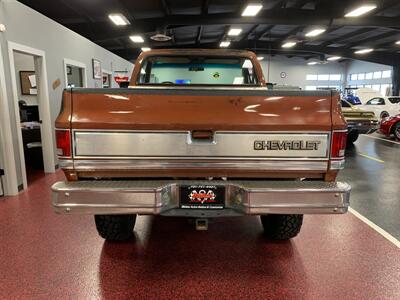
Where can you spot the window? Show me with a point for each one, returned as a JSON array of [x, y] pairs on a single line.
[[323, 77], [360, 86], [394, 100], [368, 86], [345, 103], [361, 76], [377, 74], [384, 88], [353, 77], [376, 87], [197, 70], [311, 77], [311, 88], [386, 74], [335, 77], [369, 75], [376, 101]]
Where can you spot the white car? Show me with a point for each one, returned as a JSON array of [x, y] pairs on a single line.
[[383, 106]]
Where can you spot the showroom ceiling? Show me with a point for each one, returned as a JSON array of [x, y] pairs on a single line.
[[206, 23]]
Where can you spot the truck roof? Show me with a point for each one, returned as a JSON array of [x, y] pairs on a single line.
[[216, 52]]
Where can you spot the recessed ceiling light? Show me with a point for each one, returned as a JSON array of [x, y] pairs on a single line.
[[289, 44], [251, 10], [234, 31], [144, 49], [359, 11], [363, 51], [136, 39], [119, 19], [397, 43], [334, 58], [315, 32], [260, 57], [311, 63], [224, 44]]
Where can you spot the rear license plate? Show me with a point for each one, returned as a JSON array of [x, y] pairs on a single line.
[[202, 196]]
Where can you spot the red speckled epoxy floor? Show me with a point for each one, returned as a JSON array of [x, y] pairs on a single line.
[[49, 256]]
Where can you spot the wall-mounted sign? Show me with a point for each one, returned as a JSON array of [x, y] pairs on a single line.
[[97, 72], [119, 79], [28, 82]]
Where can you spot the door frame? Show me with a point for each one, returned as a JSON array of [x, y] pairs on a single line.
[[75, 63], [47, 134], [7, 150], [108, 73]]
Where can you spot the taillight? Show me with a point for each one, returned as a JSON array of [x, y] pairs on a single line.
[[338, 144], [63, 140]]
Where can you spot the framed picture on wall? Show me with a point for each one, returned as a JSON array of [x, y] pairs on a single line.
[[97, 72], [28, 82]]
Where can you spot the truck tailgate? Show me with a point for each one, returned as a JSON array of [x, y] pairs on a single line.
[[174, 108], [253, 132]]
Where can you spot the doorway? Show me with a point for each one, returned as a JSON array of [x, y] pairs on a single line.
[[32, 112], [75, 73], [107, 83], [24, 65]]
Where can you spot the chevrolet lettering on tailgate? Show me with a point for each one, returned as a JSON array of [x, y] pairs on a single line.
[[286, 145]]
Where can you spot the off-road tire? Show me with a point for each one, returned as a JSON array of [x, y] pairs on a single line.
[[115, 228], [281, 227], [352, 137], [396, 131]]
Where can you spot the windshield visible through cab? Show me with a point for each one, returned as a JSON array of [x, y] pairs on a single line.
[[195, 70]]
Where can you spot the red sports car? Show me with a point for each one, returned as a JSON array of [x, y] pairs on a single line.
[[391, 125]]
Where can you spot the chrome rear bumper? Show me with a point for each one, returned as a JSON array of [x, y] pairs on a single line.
[[162, 197]]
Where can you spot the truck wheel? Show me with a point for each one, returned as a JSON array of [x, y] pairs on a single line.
[[281, 227], [115, 228], [352, 137]]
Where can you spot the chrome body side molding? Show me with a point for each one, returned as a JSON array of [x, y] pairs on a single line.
[[198, 164]]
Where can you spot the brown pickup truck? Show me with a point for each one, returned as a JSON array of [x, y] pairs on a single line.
[[198, 134]]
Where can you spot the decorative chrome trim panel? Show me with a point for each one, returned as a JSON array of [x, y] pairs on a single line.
[[140, 164], [176, 144], [162, 197], [337, 164]]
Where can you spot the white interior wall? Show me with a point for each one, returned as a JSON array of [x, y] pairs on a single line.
[[296, 70], [24, 62], [30, 28], [357, 66]]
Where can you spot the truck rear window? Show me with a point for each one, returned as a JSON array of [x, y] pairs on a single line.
[[186, 70]]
